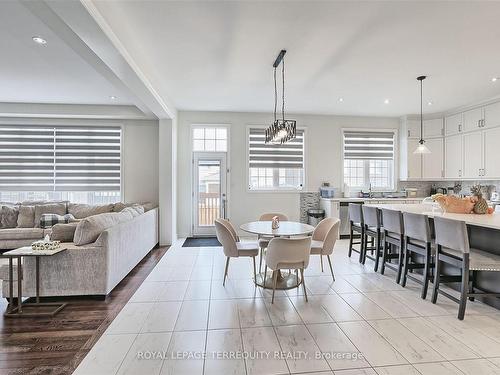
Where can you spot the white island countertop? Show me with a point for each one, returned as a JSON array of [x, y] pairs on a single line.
[[380, 199], [487, 221]]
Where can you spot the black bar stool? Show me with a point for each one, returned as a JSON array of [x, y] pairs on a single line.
[[393, 238], [452, 247], [373, 229], [418, 240], [356, 225]]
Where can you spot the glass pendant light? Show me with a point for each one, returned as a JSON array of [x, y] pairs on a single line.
[[421, 148]]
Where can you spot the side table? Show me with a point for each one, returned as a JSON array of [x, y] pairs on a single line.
[[17, 311]]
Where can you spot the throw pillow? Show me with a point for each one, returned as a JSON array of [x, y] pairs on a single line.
[[48, 220], [63, 232], [26, 217], [81, 211], [8, 216], [89, 229], [49, 208]]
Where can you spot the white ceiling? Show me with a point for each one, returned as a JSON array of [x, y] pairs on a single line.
[[218, 55], [53, 73]]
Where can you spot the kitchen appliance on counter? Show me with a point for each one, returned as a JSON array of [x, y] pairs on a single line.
[[327, 192], [411, 192]]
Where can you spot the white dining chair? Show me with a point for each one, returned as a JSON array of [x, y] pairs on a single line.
[[288, 253], [264, 240], [324, 237], [233, 249]]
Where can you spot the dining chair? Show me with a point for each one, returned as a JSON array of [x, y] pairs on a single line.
[[264, 240], [323, 241], [233, 249], [288, 253], [453, 248], [372, 228], [356, 225], [393, 239], [418, 241], [230, 227]]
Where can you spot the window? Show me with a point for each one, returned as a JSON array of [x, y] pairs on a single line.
[[81, 164], [275, 167], [210, 139], [369, 159]]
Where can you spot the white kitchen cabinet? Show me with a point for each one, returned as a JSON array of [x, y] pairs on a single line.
[[331, 207], [491, 153], [413, 129], [453, 156], [492, 115], [453, 124], [473, 154], [433, 163], [414, 161], [433, 128], [473, 119]]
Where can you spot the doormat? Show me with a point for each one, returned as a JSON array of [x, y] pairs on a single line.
[[201, 242]]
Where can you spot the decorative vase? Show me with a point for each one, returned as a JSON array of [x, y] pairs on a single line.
[[275, 224]]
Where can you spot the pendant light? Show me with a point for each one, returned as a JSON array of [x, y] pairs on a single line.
[[281, 130], [421, 148]]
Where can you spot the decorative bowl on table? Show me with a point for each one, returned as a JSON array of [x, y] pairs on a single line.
[[45, 245]]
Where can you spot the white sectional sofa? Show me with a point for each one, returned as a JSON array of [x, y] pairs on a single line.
[[119, 241]]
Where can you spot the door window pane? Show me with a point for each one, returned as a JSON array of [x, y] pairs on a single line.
[[210, 139], [208, 192]]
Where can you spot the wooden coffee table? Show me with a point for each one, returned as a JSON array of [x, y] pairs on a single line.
[[17, 311]]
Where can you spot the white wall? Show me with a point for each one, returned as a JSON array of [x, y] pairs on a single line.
[[323, 161], [139, 154]]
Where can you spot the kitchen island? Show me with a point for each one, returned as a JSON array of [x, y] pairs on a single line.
[[484, 234]]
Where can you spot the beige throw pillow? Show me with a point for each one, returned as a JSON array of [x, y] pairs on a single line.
[[81, 211], [63, 232], [50, 208], [8, 216], [26, 218]]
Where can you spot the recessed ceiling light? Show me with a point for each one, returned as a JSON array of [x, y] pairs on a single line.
[[112, 97], [386, 101], [429, 103], [494, 79], [341, 100], [39, 40]]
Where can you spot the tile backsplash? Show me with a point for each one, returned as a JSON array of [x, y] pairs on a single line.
[[462, 187]]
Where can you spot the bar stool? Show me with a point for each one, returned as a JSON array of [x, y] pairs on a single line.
[[418, 240], [393, 238], [373, 229], [356, 225], [452, 247]]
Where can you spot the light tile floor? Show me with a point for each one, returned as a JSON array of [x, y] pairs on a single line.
[[183, 321]]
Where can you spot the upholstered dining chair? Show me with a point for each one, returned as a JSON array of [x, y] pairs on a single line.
[[288, 253], [233, 249], [394, 234], [324, 237], [264, 240], [453, 248]]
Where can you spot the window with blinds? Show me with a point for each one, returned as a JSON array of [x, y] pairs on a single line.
[[275, 166], [369, 159], [60, 158]]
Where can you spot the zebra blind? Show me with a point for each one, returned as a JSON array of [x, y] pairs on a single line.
[[60, 158], [368, 145], [268, 155]]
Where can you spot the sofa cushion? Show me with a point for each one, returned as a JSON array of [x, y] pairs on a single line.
[[21, 233], [26, 217], [48, 220], [81, 211], [52, 208], [63, 232], [8, 216], [89, 229]]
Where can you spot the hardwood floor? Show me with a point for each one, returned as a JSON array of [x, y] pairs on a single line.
[[57, 345]]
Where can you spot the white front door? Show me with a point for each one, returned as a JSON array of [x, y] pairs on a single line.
[[209, 191]]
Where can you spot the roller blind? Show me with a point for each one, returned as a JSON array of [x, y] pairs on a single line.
[[60, 158], [287, 155], [368, 145]]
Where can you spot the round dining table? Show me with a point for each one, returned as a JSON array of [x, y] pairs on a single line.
[[286, 280]]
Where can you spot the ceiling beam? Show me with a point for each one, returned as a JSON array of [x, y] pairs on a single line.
[[73, 23]]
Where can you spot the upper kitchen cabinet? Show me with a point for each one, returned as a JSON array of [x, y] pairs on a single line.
[[412, 129], [491, 154], [414, 161], [453, 156], [453, 124], [433, 128], [433, 163], [473, 119], [492, 115], [473, 155]]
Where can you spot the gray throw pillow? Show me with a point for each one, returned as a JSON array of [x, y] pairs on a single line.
[[49, 208], [8, 216], [49, 220], [89, 229], [26, 218], [81, 211], [63, 232]]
